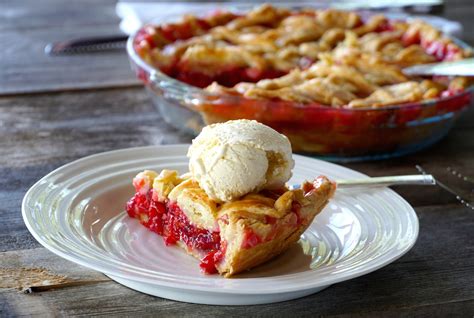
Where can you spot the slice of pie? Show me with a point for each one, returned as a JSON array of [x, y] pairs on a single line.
[[228, 237]]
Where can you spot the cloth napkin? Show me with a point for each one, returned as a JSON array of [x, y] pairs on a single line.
[[134, 14]]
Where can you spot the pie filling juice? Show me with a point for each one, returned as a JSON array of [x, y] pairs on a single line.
[[167, 220]]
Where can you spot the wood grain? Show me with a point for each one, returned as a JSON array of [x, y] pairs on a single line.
[[55, 110], [28, 26], [29, 15], [26, 68], [429, 280], [42, 132]]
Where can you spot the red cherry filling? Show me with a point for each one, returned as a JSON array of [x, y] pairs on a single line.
[[251, 239], [170, 222], [230, 76], [384, 27], [208, 263], [179, 228], [442, 51]]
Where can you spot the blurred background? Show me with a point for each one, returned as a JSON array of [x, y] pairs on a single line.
[[28, 26]]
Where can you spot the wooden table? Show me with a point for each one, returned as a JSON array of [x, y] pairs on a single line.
[[56, 109]]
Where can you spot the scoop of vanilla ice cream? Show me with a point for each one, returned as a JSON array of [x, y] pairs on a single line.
[[234, 158]]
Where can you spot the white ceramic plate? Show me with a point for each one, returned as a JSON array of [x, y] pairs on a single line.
[[77, 212]]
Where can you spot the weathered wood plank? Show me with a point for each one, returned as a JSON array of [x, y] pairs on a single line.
[[455, 151], [432, 278], [113, 299], [28, 26], [41, 129], [26, 68], [42, 258], [28, 15], [33, 120], [42, 132]]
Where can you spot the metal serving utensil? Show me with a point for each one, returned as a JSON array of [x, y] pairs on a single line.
[[87, 45], [461, 68], [422, 179], [419, 179], [464, 200]]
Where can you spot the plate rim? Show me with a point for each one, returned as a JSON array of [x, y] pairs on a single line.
[[126, 275]]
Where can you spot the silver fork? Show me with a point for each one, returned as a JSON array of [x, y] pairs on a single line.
[[419, 179], [462, 199], [423, 179]]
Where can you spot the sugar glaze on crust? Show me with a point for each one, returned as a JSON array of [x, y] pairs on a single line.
[[231, 237]]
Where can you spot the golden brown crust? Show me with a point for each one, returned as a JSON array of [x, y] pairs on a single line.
[[244, 259], [273, 237], [165, 182], [353, 59], [255, 228], [194, 202]]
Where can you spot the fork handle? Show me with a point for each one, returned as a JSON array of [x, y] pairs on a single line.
[[388, 181]]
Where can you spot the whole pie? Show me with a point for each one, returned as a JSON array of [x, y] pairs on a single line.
[[312, 57], [227, 237]]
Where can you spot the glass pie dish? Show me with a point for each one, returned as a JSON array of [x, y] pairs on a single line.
[[338, 134]]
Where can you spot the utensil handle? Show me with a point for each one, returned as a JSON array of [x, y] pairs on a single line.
[[81, 45], [388, 181], [463, 67]]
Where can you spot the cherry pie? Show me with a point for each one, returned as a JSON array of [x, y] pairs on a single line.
[[230, 237], [313, 57]]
